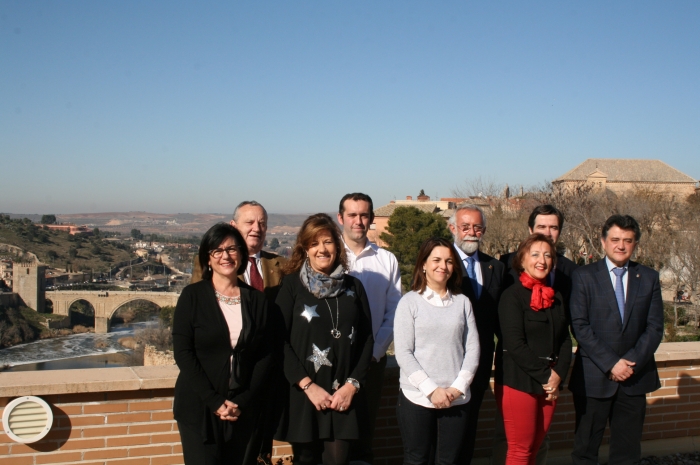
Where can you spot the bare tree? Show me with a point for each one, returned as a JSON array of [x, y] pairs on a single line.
[[479, 187]]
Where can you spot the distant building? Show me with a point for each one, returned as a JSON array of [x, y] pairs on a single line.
[[69, 228], [624, 175]]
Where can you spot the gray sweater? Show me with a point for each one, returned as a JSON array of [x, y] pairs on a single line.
[[435, 347]]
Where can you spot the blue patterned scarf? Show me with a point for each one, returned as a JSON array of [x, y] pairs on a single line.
[[320, 285]]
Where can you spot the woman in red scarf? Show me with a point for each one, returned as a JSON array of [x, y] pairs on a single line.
[[534, 350]]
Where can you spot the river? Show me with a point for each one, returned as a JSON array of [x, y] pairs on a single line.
[[87, 350]]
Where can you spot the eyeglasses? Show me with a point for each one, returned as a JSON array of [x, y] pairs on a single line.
[[477, 228], [217, 253]]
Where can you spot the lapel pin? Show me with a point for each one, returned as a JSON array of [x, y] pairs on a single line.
[[490, 267], [638, 276]]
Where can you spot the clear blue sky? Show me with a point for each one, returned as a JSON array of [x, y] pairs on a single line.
[[171, 106]]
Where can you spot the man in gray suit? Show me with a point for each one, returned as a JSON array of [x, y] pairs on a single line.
[[618, 320]]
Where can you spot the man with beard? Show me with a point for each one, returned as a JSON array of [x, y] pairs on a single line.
[[378, 271], [547, 220], [482, 282]]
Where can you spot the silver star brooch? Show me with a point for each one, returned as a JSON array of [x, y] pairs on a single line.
[[309, 312], [336, 385], [319, 357], [350, 293]]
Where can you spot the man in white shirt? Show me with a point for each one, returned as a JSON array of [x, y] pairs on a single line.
[[378, 270]]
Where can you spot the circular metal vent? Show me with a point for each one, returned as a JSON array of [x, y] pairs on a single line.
[[27, 419]]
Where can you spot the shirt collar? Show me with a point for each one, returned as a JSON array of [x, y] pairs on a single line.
[[256, 256], [368, 246], [431, 294], [611, 265], [463, 256]]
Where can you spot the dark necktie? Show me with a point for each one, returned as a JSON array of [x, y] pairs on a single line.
[[471, 272], [255, 279], [620, 291]]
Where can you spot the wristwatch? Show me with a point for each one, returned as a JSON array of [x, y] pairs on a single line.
[[355, 383]]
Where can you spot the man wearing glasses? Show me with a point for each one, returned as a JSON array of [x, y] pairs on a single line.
[[263, 270], [482, 282]]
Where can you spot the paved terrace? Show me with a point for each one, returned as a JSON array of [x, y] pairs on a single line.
[[124, 415]]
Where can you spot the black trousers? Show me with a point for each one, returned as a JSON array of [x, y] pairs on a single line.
[[429, 435], [238, 451], [477, 390], [626, 415], [361, 449]]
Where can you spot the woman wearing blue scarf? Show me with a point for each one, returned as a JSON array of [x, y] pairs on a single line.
[[327, 347]]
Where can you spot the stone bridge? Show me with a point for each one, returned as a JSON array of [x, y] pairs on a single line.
[[106, 303]]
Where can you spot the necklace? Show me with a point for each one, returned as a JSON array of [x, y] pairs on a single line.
[[226, 299], [334, 332]]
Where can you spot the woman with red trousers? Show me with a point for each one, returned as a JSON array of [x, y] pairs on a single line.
[[534, 351]]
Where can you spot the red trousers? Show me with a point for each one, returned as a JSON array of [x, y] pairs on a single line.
[[526, 420]]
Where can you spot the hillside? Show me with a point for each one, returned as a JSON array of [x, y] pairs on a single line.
[[58, 249]]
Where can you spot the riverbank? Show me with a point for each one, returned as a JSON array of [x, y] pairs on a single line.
[[113, 360]]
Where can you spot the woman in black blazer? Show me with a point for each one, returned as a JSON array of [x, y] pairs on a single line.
[[221, 338], [534, 351]]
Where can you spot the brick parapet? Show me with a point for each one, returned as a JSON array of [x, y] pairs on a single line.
[[124, 415]]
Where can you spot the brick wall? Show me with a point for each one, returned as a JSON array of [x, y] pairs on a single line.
[[124, 415]]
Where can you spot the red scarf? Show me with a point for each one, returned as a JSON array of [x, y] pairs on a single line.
[[542, 295]]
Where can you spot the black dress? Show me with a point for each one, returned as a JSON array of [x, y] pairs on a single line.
[[308, 323]]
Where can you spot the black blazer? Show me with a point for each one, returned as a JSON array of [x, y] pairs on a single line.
[[562, 274], [202, 349], [485, 309], [528, 339], [603, 339]]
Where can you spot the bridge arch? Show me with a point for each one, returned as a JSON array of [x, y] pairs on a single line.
[[106, 303]]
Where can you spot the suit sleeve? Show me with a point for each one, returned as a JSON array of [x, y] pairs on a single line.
[[364, 336], [564, 360], [185, 353], [263, 353], [649, 340], [582, 287], [294, 369], [510, 311]]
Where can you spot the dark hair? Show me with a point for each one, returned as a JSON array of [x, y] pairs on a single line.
[[525, 247], [213, 239], [246, 203], [357, 196], [545, 210], [622, 222], [312, 227], [419, 280]]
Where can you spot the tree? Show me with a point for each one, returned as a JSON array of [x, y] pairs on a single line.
[[136, 234], [274, 244], [408, 228], [52, 254], [48, 219], [72, 252]]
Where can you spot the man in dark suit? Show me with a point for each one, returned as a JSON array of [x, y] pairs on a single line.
[[482, 282], [250, 218], [547, 220], [618, 321]]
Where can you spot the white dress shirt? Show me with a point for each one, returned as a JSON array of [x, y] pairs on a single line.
[[378, 271], [477, 267], [613, 278], [258, 262]]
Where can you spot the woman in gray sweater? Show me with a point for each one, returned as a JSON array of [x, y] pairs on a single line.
[[437, 349]]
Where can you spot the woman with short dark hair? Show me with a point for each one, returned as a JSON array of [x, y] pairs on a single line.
[[328, 347], [221, 339], [437, 349], [534, 351]]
